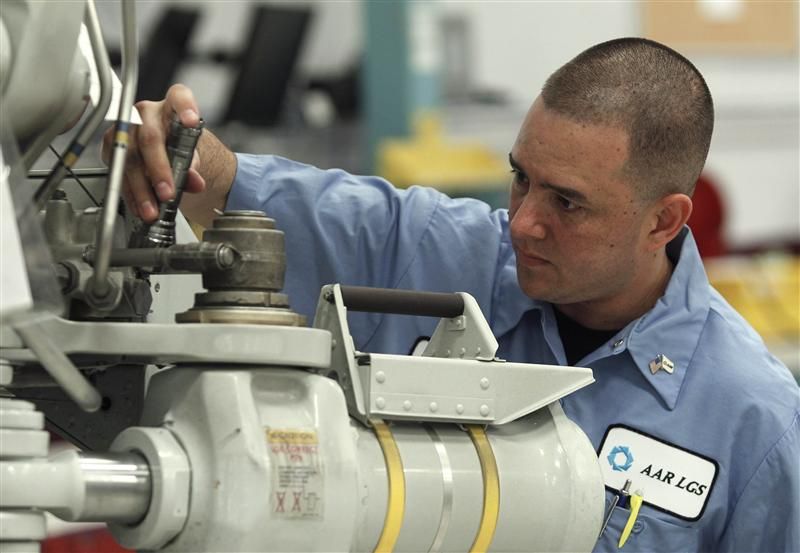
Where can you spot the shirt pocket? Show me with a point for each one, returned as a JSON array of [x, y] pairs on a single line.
[[650, 534]]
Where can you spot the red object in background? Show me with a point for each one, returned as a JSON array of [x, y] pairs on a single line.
[[92, 541], [708, 218]]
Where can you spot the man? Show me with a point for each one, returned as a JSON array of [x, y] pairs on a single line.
[[592, 265]]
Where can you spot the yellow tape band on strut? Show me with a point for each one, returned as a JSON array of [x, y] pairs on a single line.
[[70, 159], [121, 137], [491, 490], [395, 508]]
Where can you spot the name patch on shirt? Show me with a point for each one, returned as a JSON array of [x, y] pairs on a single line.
[[671, 478]]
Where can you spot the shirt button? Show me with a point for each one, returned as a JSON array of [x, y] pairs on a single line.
[[638, 526], [618, 344]]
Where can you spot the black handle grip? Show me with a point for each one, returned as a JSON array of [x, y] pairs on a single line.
[[401, 302]]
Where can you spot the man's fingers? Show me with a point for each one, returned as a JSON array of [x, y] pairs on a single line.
[[194, 182], [148, 175], [180, 100], [130, 202], [150, 140], [105, 149], [141, 193]]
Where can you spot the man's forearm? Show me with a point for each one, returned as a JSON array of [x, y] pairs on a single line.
[[218, 168]]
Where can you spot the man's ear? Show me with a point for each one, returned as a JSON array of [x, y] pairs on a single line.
[[670, 213]]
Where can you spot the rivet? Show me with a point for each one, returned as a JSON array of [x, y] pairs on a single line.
[[433, 406], [380, 403], [484, 410], [462, 352], [447, 353], [459, 409], [485, 383], [477, 351], [407, 405], [380, 376]]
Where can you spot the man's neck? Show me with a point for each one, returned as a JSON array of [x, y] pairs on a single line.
[[619, 310]]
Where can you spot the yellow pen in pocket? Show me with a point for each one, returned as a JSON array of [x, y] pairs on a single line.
[[636, 504]]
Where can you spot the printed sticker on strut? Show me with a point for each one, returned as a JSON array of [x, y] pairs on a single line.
[[297, 473]]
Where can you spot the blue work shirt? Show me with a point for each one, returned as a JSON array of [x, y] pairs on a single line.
[[728, 400]]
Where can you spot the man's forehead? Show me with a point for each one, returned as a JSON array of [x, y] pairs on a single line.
[[547, 132], [588, 158]]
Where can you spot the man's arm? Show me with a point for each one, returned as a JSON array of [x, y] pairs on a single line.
[[218, 168]]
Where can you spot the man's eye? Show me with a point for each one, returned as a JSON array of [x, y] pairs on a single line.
[[519, 178], [566, 204]]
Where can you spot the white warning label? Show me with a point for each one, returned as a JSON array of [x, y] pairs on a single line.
[[297, 473]]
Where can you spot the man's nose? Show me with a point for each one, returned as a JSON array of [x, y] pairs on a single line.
[[529, 221]]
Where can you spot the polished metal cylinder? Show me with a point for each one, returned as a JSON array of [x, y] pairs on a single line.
[[261, 246], [118, 487]]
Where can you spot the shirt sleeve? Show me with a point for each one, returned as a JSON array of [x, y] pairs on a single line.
[[342, 228], [767, 514]]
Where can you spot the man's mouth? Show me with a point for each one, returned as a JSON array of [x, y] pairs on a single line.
[[530, 260]]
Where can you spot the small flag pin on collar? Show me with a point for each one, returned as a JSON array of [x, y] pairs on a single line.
[[662, 362]]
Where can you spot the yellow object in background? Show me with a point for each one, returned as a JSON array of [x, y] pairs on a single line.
[[428, 159], [765, 290]]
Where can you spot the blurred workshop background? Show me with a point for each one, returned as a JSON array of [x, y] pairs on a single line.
[[433, 93]]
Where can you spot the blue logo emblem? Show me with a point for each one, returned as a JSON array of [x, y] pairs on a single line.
[[620, 458]]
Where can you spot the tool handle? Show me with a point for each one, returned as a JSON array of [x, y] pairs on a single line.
[[181, 143], [402, 302]]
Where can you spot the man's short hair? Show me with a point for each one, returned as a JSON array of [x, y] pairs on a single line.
[[653, 93]]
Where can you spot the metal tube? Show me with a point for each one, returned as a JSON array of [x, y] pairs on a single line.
[[99, 172], [118, 487], [94, 121], [58, 365], [101, 286], [195, 257]]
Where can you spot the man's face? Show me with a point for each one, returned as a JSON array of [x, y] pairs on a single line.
[[577, 225]]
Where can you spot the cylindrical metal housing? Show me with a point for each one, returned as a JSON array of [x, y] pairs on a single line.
[[248, 291], [323, 480], [118, 487], [262, 249]]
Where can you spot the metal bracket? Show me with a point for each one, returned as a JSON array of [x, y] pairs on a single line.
[[467, 336], [464, 383], [249, 344], [332, 315]]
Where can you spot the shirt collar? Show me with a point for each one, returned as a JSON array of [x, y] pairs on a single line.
[[671, 328]]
